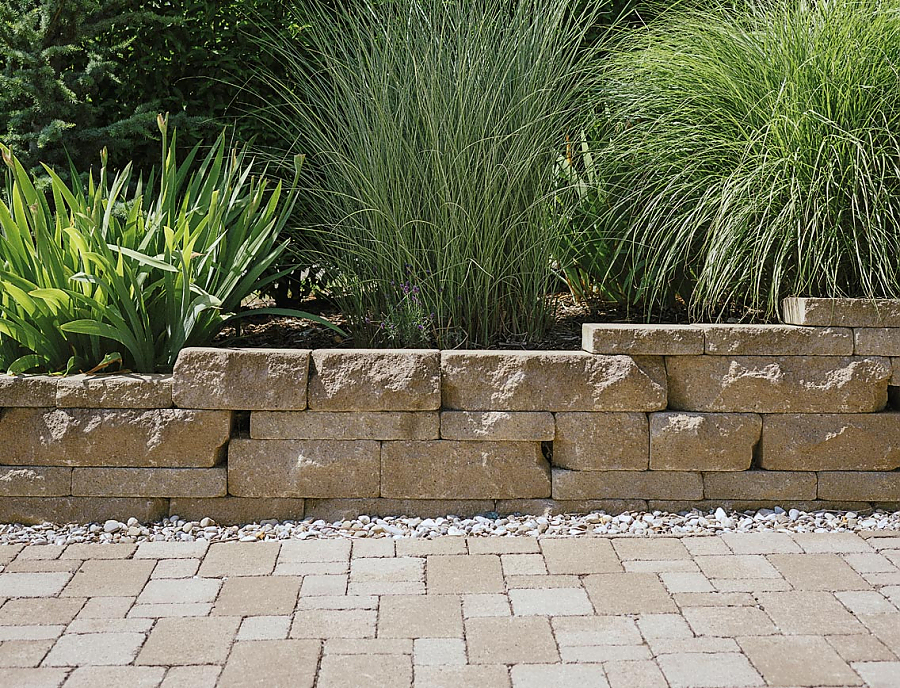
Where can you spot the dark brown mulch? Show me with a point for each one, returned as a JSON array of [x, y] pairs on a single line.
[[565, 334]]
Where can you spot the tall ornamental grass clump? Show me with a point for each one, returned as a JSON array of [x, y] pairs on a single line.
[[116, 273], [756, 153], [431, 129]]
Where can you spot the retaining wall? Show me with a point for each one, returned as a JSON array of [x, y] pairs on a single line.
[[646, 417]]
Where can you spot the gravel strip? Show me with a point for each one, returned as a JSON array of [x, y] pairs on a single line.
[[632, 523]]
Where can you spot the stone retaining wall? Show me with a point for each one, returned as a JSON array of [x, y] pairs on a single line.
[[646, 417]]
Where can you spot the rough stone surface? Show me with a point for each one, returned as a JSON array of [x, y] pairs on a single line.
[[35, 481], [825, 442], [241, 379], [149, 482], [682, 441], [895, 379], [358, 425], [30, 391], [880, 341], [777, 340], [375, 380], [842, 312], [173, 438], [680, 485], [237, 510], [763, 485], [115, 391], [31, 510], [497, 425], [601, 441], [642, 340], [786, 384], [449, 469], [551, 381], [863, 486], [303, 468]]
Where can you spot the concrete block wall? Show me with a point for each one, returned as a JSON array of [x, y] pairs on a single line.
[[645, 417]]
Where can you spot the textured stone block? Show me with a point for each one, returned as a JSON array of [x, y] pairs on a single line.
[[681, 441], [708, 505], [842, 312], [303, 468], [860, 486], [783, 384], [115, 391], [895, 379], [343, 509], [241, 379], [175, 438], [497, 425], [602, 441], [880, 341], [826, 442], [237, 510], [670, 485], [760, 485], [341, 425], [448, 469], [30, 391], [551, 381], [642, 340], [777, 340], [375, 380], [32, 510], [149, 482], [35, 481]]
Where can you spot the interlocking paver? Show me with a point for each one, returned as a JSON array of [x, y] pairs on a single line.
[[314, 551], [420, 616], [257, 595], [660, 566], [271, 663], [510, 640], [133, 677], [650, 548], [797, 661], [869, 562], [32, 584], [264, 628], [878, 674], [155, 611], [809, 613], [37, 610], [655, 626], [23, 653], [686, 582], [109, 578], [860, 648], [171, 550], [818, 572], [109, 626], [175, 568], [105, 607], [240, 559], [579, 631], [885, 627], [739, 566], [98, 551], [761, 543], [191, 677], [334, 623], [486, 604], [820, 543], [387, 576], [369, 547], [439, 652], [550, 602], [474, 573], [580, 556], [866, 602], [189, 640], [603, 653], [558, 676], [173, 591], [628, 593], [377, 671], [729, 621], [704, 644], [505, 545], [423, 548], [543, 581], [30, 632], [32, 678], [462, 677], [95, 649], [369, 646], [634, 674], [523, 564], [718, 670]]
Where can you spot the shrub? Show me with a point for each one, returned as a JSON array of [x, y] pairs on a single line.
[[432, 130], [104, 275], [755, 153]]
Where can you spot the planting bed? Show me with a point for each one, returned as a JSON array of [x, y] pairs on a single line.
[[659, 417]]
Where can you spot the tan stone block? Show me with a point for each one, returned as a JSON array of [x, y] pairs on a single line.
[[35, 510], [303, 468], [650, 549], [730, 669], [860, 648], [571, 601], [99, 437], [777, 340], [760, 485], [895, 378], [23, 653], [739, 505], [675, 485], [379, 671], [334, 623], [636, 673], [110, 578], [237, 510], [420, 616], [274, 663], [257, 596], [538, 507], [642, 340], [551, 381], [818, 572], [342, 509], [822, 442], [375, 380], [877, 341], [28, 391], [543, 675], [99, 550], [131, 390], [682, 441], [534, 426], [628, 593], [778, 384], [809, 613], [239, 559], [95, 648], [198, 676], [344, 425], [35, 481], [448, 469], [862, 486], [200, 640], [241, 379], [788, 661], [819, 312], [464, 574], [510, 640], [149, 482], [470, 676], [729, 621], [602, 441]]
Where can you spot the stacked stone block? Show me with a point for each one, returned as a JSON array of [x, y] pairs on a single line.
[[667, 416]]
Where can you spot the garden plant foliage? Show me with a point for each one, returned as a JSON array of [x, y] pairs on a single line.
[[432, 130], [754, 153], [118, 272]]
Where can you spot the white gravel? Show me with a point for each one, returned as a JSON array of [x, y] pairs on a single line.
[[632, 523]]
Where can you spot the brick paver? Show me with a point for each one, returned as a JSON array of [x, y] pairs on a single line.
[[773, 609]]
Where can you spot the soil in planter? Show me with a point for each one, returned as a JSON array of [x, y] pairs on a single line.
[[267, 331]]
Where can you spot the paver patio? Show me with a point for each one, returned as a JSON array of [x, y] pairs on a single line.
[[741, 610]]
